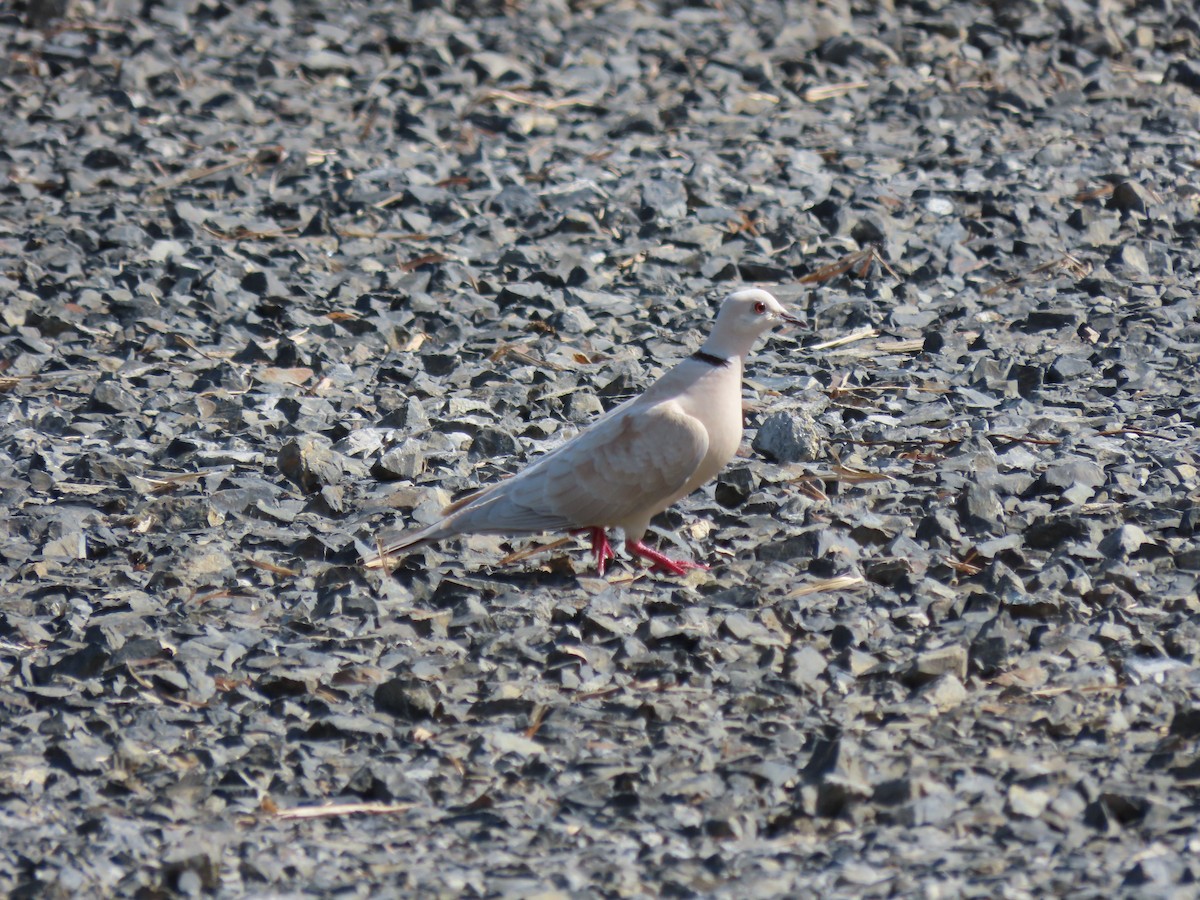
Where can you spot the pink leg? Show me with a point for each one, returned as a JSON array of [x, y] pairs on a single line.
[[661, 562], [601, 548]]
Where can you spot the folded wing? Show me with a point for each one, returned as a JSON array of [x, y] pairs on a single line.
[[618, 469], [624, 468]]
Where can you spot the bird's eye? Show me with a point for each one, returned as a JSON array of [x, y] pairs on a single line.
[[760, 307]]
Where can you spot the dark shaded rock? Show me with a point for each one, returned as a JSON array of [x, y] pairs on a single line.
[[516, 200], [103, 158], [1185, 72], [492, 443], [404, 462], [1186, 723], [734, 486], [944, 660], [310, 463], [111, 396], [406, 699], [789, 436], [980, 508], [1129, 196], [805, 666], [664, 199], [40, 13], [1123, 542], [1066, 368]]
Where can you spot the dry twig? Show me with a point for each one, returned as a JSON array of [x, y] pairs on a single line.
[[514, 350], [859, 262], [1073, 266]]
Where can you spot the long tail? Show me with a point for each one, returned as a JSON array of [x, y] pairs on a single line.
[[492, 510], [392, 544]]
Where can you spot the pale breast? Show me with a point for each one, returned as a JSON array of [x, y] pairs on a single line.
[[718, 406]]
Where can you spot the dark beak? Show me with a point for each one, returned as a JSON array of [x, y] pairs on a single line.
[[792, 320]]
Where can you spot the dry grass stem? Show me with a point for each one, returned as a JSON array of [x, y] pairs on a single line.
[[536, 549], [837, 583], [505, 98], [853, 336], [829, 91], [343, 809]]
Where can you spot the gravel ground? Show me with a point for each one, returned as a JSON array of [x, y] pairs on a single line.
[[280, 275]]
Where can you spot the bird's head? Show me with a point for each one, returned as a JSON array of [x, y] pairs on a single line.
[[743, 317]]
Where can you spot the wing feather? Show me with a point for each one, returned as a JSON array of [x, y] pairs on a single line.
[[634, 466], [626, 467]]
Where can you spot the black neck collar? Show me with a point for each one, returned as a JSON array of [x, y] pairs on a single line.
[[715, 361]]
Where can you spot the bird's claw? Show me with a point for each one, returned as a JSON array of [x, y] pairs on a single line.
[[601, 549], [659, 562], [662, 563]]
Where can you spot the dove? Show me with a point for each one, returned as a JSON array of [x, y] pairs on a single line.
[[634, 461]]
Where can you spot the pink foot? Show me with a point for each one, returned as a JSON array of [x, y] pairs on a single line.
[[601, 548], [661, 562]]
